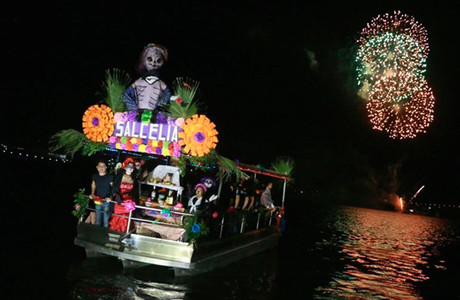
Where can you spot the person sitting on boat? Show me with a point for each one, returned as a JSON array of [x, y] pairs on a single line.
[[126, 191], [101, 188], [266, 198], [197, 202]]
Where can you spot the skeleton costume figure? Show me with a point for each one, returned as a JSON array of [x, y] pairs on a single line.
[[196, 202], [149, 91]]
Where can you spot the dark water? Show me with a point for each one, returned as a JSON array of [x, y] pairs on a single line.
[[327, 252]]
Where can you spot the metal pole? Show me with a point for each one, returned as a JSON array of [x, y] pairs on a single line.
[[219, 189], [284, 192], [129, 222], [221, 227]]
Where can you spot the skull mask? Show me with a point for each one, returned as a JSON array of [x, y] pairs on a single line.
[[153, 59]]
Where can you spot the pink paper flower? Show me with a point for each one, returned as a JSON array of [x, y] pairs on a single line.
[[130, 206]]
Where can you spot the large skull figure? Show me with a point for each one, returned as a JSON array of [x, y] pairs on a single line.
[[149, 91], [153, 58]]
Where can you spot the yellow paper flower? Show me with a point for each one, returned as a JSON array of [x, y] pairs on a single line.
[[199, 135], [98, 123]]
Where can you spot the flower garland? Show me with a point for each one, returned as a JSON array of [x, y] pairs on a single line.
[[80, 202], [199, 135], [98, 123], [194, 229]]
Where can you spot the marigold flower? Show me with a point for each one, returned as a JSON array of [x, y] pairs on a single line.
[[199, 135], [98, 123]]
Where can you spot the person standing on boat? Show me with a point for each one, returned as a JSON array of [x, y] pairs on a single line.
[[101, 188], [266, 198], [126, 192], [241, 193]]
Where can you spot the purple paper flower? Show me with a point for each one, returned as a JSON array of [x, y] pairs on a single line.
[[199, 137], [95, 121], [162, 118], [131, 116]]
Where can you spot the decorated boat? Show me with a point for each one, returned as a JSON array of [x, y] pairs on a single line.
[[194, 209]]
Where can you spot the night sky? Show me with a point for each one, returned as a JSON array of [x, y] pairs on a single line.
[[258, 84]]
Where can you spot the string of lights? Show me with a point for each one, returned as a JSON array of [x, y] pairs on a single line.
[[21, 153]]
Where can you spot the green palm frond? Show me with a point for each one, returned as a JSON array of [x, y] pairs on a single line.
[[115, 85], [177, 110], [283, 165], [71, 141], [186, 90], [229, 169]]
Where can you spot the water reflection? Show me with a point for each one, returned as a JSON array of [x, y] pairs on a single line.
[[105, 278], [384, 254], [335, 253]]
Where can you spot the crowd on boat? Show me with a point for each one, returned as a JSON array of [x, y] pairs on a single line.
[[129, 190]]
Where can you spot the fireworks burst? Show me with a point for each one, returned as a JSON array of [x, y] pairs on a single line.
[[391, 60], [401, 115]]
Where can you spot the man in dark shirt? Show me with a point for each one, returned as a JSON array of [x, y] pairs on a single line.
[[101, 187]]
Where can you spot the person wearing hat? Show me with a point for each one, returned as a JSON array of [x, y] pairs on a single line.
[[126, 193], [197, 201]]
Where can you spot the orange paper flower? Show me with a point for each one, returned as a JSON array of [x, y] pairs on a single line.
[[98, 123], [199, 135]]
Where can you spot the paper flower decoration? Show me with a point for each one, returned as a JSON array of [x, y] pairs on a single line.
[[165, 212], [98, 123], [199, 135], [196, 228], [130, 206]]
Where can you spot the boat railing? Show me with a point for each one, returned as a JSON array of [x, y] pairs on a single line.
[[226, 219]]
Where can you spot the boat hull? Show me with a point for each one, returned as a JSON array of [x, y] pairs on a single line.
[[186, 259]]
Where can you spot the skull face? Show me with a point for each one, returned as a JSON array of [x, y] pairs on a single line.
[[208, 183], [129, 169], [153, 59]]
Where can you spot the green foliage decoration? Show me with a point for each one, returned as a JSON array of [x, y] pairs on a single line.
[[284, 165], [115, 85], [81, 202], [195, 229], [71, 141], [185, 106], [227, 167]]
